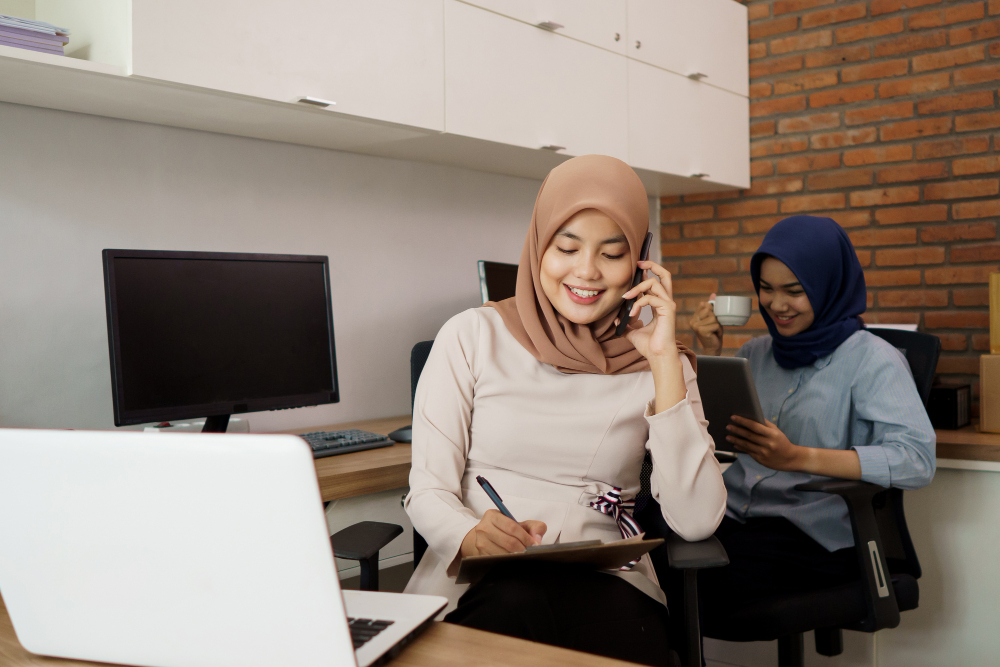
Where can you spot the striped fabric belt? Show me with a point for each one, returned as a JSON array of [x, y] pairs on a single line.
[[611, 503]]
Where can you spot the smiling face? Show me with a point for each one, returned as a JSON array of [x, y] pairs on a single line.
[[586, 267], [782, 296]]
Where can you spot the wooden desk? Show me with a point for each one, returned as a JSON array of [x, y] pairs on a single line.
[[388, 468], [358, 473], [968, 444], [442, 645]]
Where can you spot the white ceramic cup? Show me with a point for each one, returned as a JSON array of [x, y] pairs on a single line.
[[732, 310]]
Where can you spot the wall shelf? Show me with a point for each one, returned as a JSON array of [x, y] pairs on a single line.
[[119, 64], [66, 84]]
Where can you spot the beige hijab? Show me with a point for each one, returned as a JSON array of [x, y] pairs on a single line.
[[586, 182]]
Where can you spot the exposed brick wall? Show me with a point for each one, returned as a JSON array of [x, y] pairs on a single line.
[[883, 115]]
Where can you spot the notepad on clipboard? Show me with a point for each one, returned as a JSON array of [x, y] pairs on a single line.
[[600, 556]]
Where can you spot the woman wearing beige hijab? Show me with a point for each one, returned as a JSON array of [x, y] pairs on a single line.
[[537, 394]]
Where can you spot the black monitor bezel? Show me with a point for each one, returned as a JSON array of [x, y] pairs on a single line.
[[131, 417]]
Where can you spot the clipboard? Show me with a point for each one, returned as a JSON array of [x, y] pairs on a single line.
[[606, 556]]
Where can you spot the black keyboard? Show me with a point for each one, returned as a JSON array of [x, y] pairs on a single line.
[[329, 443], [363, 629]]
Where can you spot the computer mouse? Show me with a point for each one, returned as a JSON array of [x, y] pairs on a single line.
[[404, 434]]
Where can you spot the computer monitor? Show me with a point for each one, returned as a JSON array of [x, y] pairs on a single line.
[[497, 280], [210, 334]]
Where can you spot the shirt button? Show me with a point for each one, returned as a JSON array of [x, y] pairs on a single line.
[[791, 391], [760, 477], [774, 418], [746, 507]]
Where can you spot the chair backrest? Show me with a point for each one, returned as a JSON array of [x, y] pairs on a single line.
[[921, 351], [418, 357]]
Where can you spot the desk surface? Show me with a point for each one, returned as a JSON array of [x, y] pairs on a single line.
[[442, 645], [376, 470], [371, 471]]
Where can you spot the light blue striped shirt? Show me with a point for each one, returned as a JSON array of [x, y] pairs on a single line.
[[860, 397]]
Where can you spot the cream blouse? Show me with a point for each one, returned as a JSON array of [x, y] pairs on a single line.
[[550, 443]]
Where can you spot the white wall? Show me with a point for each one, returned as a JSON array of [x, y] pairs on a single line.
[[953, 523], [403, 239]]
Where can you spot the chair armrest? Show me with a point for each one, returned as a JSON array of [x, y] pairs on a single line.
[[843, 487], [363, 540], [883, 610], [689, 557], [684, 555]]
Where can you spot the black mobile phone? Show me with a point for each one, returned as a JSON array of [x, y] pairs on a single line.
[[627, 305]]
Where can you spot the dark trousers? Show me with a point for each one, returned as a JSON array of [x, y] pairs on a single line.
[[569, 607], [768, 557]]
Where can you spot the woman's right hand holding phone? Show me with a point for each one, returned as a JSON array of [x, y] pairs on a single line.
[[707, 328], [498, 534]]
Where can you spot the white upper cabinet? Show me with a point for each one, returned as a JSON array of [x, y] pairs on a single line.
[[679, 126], [512, 83], [598, 22], [378, 59], [491, 85], [703, 39]]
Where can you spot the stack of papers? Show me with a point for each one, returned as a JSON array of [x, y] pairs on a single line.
[[33, 35]]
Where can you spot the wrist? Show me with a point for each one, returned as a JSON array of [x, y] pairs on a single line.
[[664, 361], [804, 459], [468, 546], [668, 380]]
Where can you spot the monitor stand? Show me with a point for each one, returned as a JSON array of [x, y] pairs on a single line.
[[216, 424]]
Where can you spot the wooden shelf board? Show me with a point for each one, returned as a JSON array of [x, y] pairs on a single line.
[[968, 444]]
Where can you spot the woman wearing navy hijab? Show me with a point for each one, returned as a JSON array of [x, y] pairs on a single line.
[[839, 402]]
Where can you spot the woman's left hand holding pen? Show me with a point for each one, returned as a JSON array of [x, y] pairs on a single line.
[[498, 534]]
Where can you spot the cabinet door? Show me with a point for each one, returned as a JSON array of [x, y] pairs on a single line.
[[512, 83], [598, 22], [679, 126], [692, 37], [378, 59]]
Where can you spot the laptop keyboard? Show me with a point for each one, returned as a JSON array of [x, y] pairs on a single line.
[[363, 629], [329, 443]]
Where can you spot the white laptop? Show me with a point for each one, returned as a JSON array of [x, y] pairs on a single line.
[[180, 550]]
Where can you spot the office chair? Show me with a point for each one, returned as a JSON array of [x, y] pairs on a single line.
[[679, 554], [881, 541], [362, 541]]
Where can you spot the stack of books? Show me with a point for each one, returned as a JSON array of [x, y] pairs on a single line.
[[33, 35]]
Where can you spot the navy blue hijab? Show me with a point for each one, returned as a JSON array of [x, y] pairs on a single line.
[[819, 253]]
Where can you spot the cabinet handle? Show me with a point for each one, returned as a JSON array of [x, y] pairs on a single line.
[[697, 76], [317, 101], [617, 36], [638, 44], [550, 25], [553, 148], [699, 175]]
